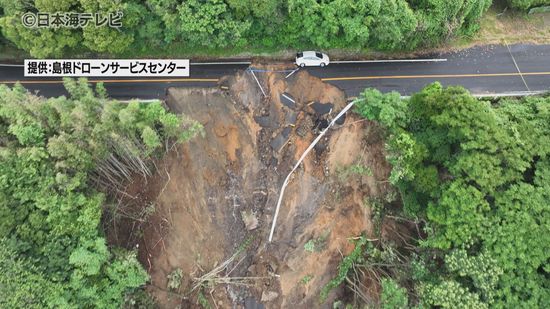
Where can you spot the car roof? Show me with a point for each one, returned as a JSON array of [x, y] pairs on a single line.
[[309, 53]]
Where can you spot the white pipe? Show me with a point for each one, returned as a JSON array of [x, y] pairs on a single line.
[[285, 183]]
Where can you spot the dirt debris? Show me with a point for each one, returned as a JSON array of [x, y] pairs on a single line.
[[218, 192]]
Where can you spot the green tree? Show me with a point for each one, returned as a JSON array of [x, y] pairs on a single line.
[[150, 139], [22, 284], [478, 175], [210, 23], [394, 26], [217, 24], [55, 42], [52, 251], [449, 294], [388, 109], [393, 296]]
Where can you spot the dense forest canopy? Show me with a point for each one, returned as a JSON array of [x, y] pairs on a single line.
[[217, 24], [477, 175], [54, 155]]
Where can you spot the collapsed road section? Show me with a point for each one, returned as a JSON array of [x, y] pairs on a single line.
[[215, 196]]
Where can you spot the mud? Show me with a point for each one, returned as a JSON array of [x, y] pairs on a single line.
[[219, 190]]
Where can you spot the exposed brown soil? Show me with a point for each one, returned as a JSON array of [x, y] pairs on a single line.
[[213, 193]]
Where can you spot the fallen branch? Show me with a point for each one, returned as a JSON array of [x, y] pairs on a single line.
[[215, 276]]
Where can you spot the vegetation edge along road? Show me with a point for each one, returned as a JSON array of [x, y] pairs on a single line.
[[223, 28]]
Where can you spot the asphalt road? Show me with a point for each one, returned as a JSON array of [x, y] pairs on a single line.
[[483, 70]]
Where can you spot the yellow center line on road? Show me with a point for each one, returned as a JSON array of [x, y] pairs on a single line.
[[431, 76], [344, 78]]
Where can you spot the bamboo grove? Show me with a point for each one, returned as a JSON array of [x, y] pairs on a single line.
[[59, 160]]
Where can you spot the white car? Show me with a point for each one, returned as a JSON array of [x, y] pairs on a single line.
[[311, 59]]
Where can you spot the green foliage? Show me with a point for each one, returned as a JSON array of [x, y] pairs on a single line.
[[306, 279], [51, 150], [479, 175], [540, 9], [210, 23], [403, 155], [483, 270], [174, 279], [526, 4], [317, 244], [106, 39], [22, 283], [356, 256], [388, 109], [203, 302], [46, 42], [356, 169], [439, 20], [309, 246], [150, 138], [460, 212], [449, 294], [218, 24], [393, 296], [467, 281], [394, 26]]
